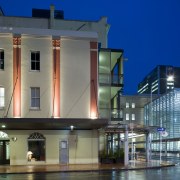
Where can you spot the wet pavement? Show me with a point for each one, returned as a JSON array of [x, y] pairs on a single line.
[[133, 165], [165, 173]]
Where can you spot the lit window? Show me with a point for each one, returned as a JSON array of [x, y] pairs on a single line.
[[2, 97], [170, 78], [133, 105], [127, 116], [133, 117], [127, 105], [1, 59], [36, 147], [35, 60], [35, 97]]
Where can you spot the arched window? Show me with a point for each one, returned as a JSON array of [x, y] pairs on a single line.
[[3, 135], [36, 147], [4, 148]]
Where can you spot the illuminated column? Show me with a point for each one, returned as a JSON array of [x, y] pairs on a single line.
[[56, 78], [16, 76], [93, 78]]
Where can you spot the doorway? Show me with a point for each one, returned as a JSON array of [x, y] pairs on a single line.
[[63, 152], [4, 152]]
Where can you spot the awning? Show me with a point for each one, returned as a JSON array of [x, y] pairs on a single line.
[[136, 128], [51, 123]]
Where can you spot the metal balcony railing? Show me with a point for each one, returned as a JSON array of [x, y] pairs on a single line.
[[113, 114], [108, 79]]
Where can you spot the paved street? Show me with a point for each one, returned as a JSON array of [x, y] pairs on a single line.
[[168, 173]]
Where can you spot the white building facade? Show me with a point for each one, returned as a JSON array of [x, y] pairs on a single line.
[[48, 87]]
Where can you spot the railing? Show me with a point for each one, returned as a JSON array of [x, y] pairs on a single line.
[[104, 78], [114, 114], [108, 79], [116, 80]]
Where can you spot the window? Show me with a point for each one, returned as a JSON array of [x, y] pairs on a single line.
[[133, 105], [35, 60], [127, 105], [2, 97], [35, 97], [1, 59], [36, 147], [127, 116], [133, 117]]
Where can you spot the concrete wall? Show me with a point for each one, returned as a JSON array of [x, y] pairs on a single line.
[[75, 79], [82, 145]]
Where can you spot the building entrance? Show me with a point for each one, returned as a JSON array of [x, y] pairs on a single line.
[[4, 152]]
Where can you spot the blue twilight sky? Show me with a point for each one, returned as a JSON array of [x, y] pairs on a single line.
[[147, 30]]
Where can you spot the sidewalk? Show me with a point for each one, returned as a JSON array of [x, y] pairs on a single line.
[[81, 167]]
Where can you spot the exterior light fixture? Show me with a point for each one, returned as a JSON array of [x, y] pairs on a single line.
[[14, 139], [72, 127], [3, 126]]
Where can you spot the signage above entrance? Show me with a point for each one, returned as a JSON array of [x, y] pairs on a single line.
[[159, 129]]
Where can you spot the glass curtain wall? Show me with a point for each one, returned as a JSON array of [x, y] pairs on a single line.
[[110, 82], [165, 112]]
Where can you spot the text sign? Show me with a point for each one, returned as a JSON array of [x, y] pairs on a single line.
[[159, 129]]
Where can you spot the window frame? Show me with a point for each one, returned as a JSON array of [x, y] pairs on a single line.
[[37, 140], [133, 105], [35, 98], [35, 61], [2, 97], [127, 116], [133, 117], [2, 59], [127, 105]]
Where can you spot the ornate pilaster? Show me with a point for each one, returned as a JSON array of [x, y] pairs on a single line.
[[56, 78], [94, 79], [16, 76]]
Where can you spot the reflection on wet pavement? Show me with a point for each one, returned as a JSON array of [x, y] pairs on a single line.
[[169, 173]]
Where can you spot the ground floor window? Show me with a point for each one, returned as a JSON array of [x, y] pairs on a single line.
[[36, 147]]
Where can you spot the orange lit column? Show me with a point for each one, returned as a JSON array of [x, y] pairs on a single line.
[[94, 81], [17, 76], [56, 78]]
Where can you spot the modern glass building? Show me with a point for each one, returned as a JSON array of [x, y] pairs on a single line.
[[165, 112], [160, 80]]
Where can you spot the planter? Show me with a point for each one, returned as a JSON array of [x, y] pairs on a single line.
[[119, 160], [107, 160]]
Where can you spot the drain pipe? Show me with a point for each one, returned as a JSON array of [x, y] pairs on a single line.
[[52, 16]]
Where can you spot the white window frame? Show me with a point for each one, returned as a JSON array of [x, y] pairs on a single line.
[[127, 105], [2, 97], [133, 117], [36, 98], [133, 105], [127, 116]]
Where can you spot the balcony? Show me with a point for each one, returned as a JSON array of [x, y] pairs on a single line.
[[113, 114], [111, 80]]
